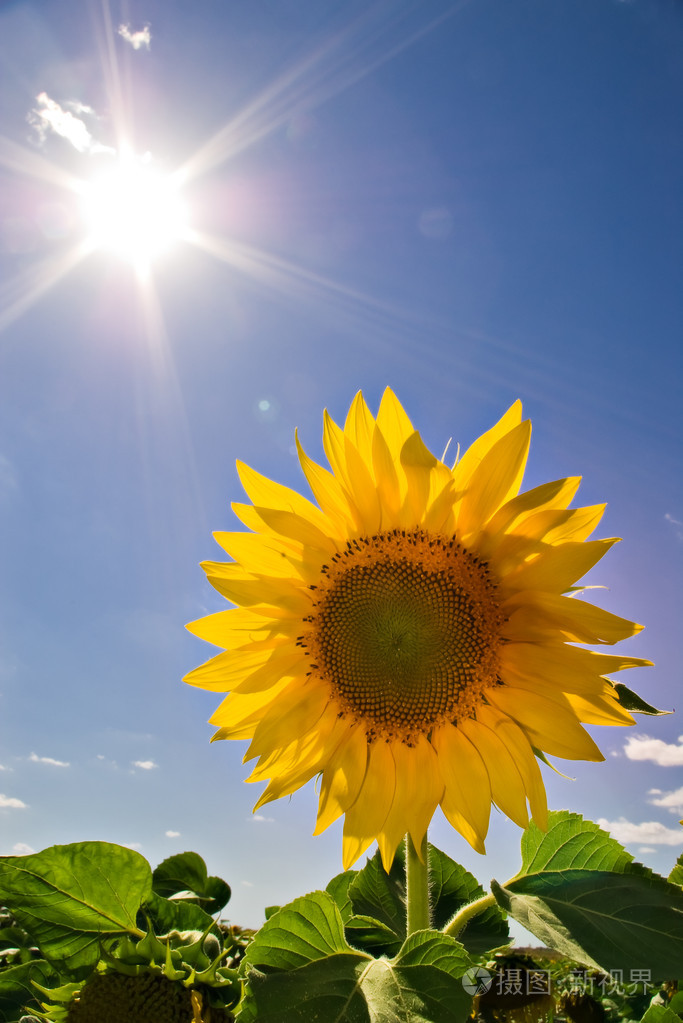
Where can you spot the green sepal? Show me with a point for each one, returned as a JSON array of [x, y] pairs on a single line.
[[633, 703]]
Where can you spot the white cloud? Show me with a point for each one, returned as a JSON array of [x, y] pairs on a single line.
[[21, 849], [672, 801], [10, 801], [132, 845], [646, 849], [146, 765], [677, 524], [650, 832], [138, 39], [172, 834], [49, 116], [49, 760], [666, 754], [3, 767], [259, 817], [248, 884]]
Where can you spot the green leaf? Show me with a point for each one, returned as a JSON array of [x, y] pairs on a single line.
[[676, 875], [450, 888], [380, 895], [168, 915], [69, 896], [184, 875], [302, 970], [338, 888], [604, 919], [371, 936], [660, 1014], [572, 842], [17, 994], [632, 702]]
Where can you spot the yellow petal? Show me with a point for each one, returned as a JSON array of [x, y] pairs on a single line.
[[342, 777], [233, 628], [419, 789], [554, 526], [557, 495], [533, 616], [603, 709], [348, 465], [558, 568], [561, 667], [263, 555], [297, 711], [360, 428], [365, 819], [327, 491], [550, 724], [466, 780], [265, 493], [395, 425], [495, 480], [238, 714], [222, 671], [507, 786], [520, 749], [289, 597], [475, 454]]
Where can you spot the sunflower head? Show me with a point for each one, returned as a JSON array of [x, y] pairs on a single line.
[[413, 636], [176, 978]]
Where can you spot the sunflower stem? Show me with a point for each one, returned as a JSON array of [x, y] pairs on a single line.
[[417, 887], [457, 925]]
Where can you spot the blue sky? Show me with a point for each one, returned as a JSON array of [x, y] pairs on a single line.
[[470, 202]]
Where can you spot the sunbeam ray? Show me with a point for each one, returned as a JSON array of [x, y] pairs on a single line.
[[338, 63]]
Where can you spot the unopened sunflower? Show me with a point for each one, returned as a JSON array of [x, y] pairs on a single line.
[[410, 637]]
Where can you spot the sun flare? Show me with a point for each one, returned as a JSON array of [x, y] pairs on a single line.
[[134, 211]]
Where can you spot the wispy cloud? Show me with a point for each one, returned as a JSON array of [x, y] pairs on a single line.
[[145, 765], [666, 754], [649, 832], [22, 849], [172, 834], [261, 819], [50, 117], [677, 524], [9, 802], [3, 767], [646, 849], [49, 760], [137, 40], [672, 801]]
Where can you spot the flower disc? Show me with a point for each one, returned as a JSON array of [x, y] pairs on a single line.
[[410, 637], [406, 631]]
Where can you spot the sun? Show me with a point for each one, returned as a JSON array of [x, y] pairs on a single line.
[[133, 211]]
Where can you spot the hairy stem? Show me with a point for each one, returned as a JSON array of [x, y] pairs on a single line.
[[417, 887]]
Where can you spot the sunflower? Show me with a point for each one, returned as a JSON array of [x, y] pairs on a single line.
[[412, 636]]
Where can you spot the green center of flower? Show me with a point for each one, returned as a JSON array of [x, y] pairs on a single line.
[[405, 631]]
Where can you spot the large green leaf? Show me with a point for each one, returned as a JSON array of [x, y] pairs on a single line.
[[450, 888], [676, 875], [660, 1014], [17, 993], [572, 842], [184, 876], [377, 920], [69, 896], [301, 969], [380, 895], [171, 915], [605, 919]]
